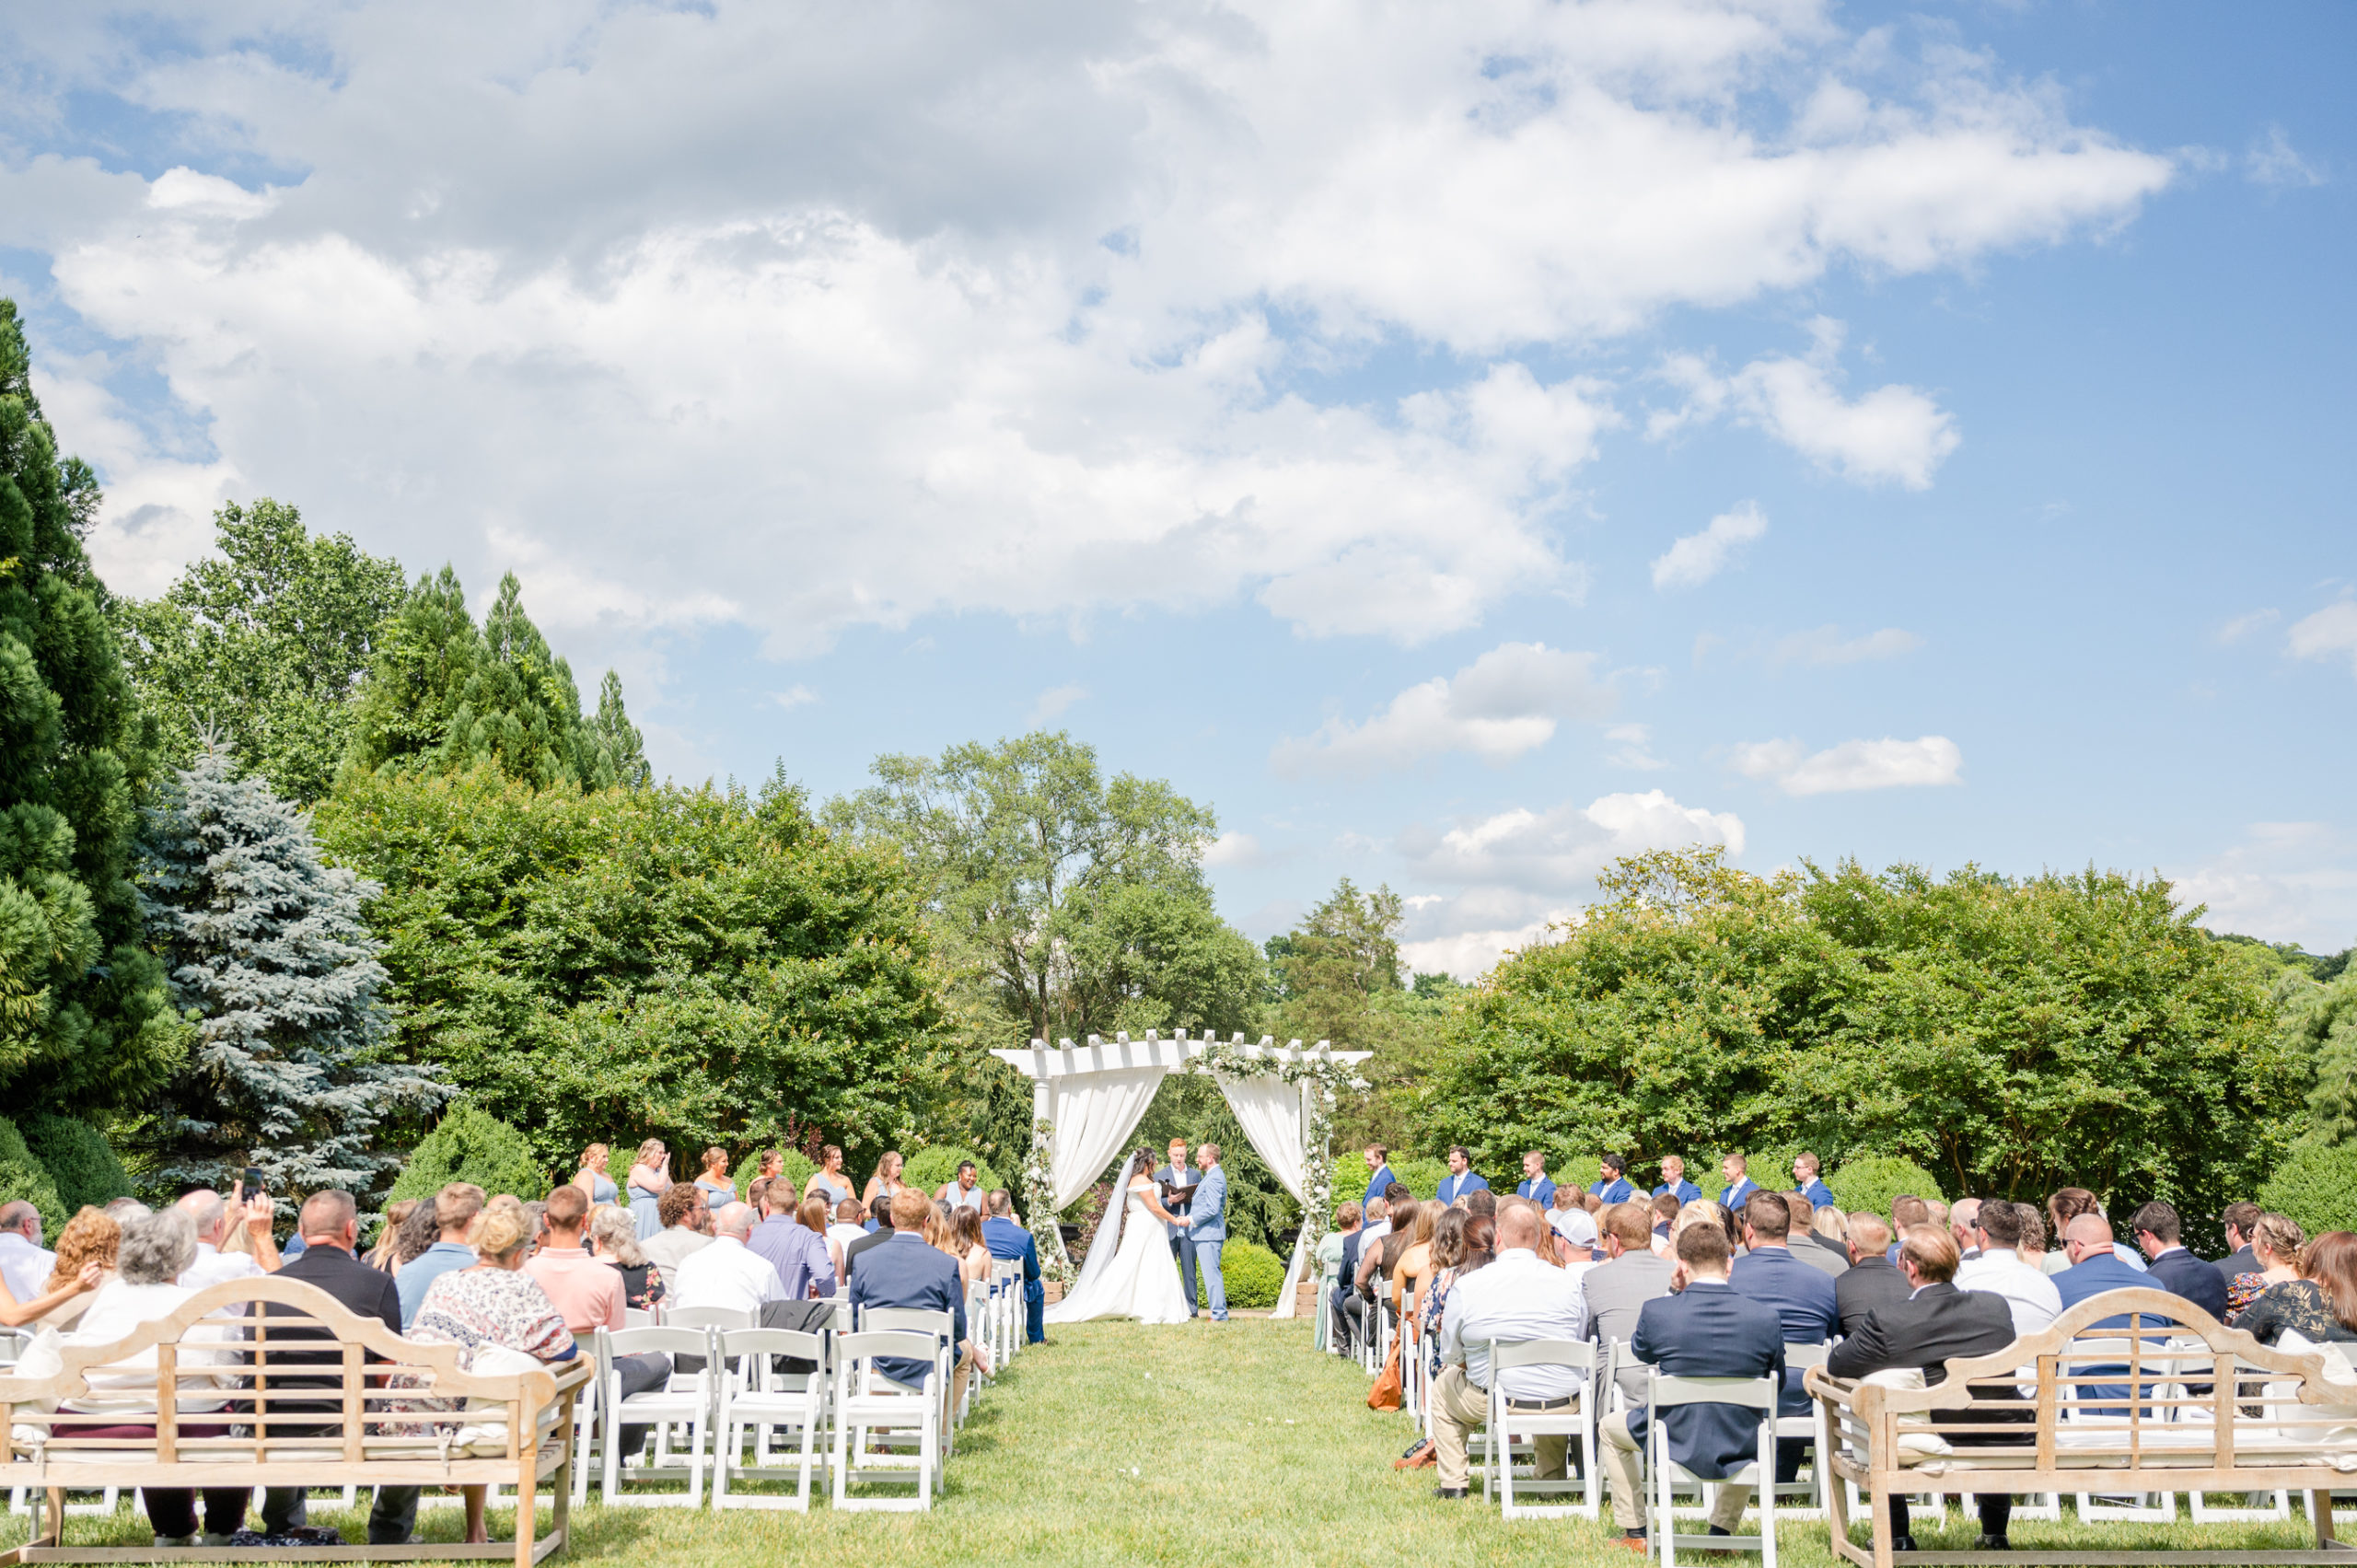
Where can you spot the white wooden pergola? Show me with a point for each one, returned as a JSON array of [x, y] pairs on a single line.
[[1093, 1095]]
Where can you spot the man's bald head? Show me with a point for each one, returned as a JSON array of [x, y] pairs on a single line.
[[1518, 1225], [2089, 1230], [734, 1219]]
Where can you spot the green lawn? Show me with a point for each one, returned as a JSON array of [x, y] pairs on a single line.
[[1192, 1446]]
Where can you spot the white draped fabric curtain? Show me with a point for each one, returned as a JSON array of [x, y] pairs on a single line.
[[1269, 1109], [1094, 1114]]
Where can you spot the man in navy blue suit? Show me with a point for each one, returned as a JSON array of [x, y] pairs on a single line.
[[1740, 1187], [1461, 1179], [1806, 1182], [1705, 1330], [1801, 1294], [1378, 1161], [1009, 1242], [1535, 1184], [2175, 1269], [1674, 1183], [1610, 1186], [2093, 1269], [907, 1271]]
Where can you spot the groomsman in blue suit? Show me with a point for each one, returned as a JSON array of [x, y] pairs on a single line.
[[1009, 1241], [1740, 1187], [1805, 1182], [1461, 1179], [1611, 1186], [1535, 1184], [1674, 1183], [1378, 1161]]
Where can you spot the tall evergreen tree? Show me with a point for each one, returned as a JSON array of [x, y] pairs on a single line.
[[85, 1022], [444, 694], [264, 645], [268, 949]]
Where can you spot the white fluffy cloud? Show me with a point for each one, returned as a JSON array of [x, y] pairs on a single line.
[[1503, 705], [2283, 881], [1853, 765], [1826, 645], [1698, 557], [2329, 633], [1891, 435], [1468, 954], [1562, 849], [805, 317]]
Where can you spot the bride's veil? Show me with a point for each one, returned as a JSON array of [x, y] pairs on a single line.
[[1108, 1240]]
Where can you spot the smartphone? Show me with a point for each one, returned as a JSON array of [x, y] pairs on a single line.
[[252, 1178]]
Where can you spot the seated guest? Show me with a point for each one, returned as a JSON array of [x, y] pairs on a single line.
[[906, 1272], [2067, 1204], [1827, 1258], [965, 1243], [1802, 1298], [1828, 1222], [1535, 1185], [2320, 1305], [23, 1263], [1010, 1241], [1674, 1184], [90, 1241], [879, 1230], [1478, 1203], [1806, 1183], [1514, 1298], [1461, 1179], [683, 1215], [1349, 1308], [2237, 1221], [728, 1274], [1872, 1280], [1907, 1212], [1704, 1331], [412, 1239], [2095, 1268], [2032, 1246], [1615, 1290], [2275, 1243], [328, 1226], [824, 1255], [1563, 1202], [214, 1219], [805, 1265], [1481, 1244], [1665, 1211], [2173, 1266], [849, 1225], [1964, 1229], [1329, 1246], [1415, 1266], [493, 1302], [1611, 1186], [153, 1252], [1999, 1270], [614, 1235], [1577, 1228], [455, 1209], [1937, 1324], [385, 1256], [587, 1292]]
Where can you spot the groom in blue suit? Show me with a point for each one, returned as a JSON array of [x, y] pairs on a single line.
[[1207, 1228]]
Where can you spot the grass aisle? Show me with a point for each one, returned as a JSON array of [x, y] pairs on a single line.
[[1183, 1446]]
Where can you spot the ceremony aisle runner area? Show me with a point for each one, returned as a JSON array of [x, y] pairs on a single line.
[[1188, 1446]]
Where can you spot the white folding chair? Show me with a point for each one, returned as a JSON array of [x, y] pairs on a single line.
[[1798, 1358], [2086, 1356], [1667, 1392], [1509, 1428], [685, 1399], [1322, 1329], [925, 1320], [773, 1402], [1007, 1282], [867, 1402]]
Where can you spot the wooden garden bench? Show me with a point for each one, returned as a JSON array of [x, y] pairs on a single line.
[[2176, 1401], [316, 1397]]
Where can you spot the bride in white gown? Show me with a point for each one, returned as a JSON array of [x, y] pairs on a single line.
[[1135, 1277]]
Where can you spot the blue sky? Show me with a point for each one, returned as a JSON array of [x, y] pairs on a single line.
[[1459, 444]]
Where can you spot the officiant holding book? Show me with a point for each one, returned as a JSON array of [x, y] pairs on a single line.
[[1176, 1180]]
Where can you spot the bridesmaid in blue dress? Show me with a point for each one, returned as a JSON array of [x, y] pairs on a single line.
[[649, 1179], [592, 1177]]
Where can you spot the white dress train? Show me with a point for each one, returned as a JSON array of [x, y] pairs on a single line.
[[1141, 1282]]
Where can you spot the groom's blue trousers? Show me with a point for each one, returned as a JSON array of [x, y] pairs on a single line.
[[1215, 1286]]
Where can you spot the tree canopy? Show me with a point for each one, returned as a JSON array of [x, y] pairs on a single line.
[[85, 1022], [262, 645]]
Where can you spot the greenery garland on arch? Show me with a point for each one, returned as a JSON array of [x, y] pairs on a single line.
[[1238, 1060]]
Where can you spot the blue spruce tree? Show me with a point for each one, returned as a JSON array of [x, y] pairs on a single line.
[[267, 950]]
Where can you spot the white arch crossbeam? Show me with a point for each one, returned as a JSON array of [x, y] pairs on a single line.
[[1169, 1053]]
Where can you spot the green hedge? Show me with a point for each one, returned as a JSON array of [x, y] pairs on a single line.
[[79, 1159], [2316, 1186], [1872, 1182], [929, 1170], [25, 1179], [1251, 1274], [473, 1145]]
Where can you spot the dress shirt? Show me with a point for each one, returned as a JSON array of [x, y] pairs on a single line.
[[669, 1248], [584, 1291], [212, 1266], [807, 1263], [1617, 1190], [1457, 1184], [26, 1267], [1685, 1191], [1539, 1190], [2034, 1300], [727, 1274], [843, 1233], [774, 1239], [421, 1270], [1817, 1192], [1514, 1298]]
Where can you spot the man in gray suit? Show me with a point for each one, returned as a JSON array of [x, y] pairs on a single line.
[[1617, 1289]]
